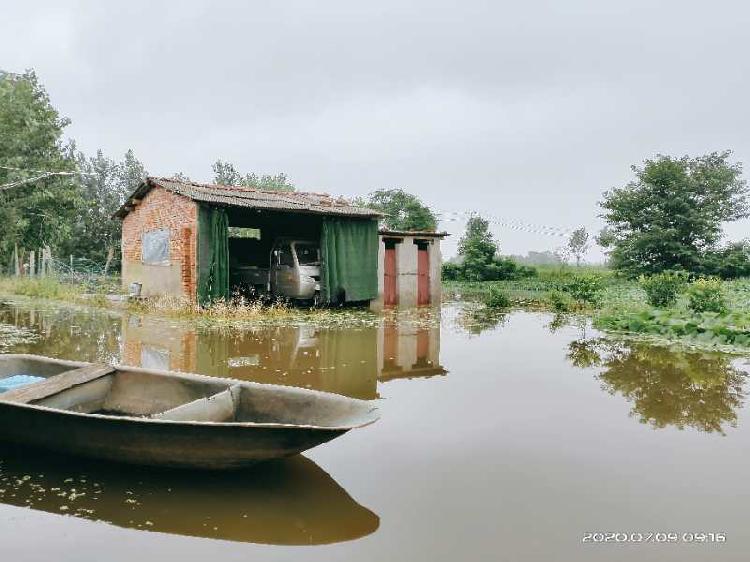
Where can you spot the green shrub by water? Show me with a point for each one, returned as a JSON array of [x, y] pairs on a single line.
[[707, 295], [662, 289], [497, 298], [497, 269], [585, 288], [560, 301]]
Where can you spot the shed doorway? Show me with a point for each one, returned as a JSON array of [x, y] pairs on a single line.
[[423, 273]]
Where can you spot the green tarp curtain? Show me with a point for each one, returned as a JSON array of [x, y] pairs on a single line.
[[349, 268], [213, 254]]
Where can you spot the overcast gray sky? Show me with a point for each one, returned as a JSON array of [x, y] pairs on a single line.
[[523, 110]]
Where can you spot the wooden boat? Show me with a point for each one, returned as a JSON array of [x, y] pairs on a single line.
[[164, 418]]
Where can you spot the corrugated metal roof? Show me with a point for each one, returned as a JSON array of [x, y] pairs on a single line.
[[233, 196]]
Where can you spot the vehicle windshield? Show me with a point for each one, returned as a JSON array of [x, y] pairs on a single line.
[[307, 254]]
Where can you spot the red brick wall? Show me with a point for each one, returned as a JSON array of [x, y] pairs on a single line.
[[161, 209]]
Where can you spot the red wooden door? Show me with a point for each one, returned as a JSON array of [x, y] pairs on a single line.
[[423, 275], [390, 292]]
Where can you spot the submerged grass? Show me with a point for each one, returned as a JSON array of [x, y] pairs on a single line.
[[242, 313]]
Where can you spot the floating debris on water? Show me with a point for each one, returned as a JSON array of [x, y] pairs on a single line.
[[11, 336]]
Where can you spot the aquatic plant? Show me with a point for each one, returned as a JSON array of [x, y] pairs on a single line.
[[703, 329]]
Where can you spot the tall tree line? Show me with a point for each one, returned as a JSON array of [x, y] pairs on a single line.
[[51, 194]]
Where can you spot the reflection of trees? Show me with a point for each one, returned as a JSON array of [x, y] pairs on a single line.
[[66, 332], [476, 319], [666, 386], [584, 353]]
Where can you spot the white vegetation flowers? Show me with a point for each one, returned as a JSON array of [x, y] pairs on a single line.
[[12, 335]]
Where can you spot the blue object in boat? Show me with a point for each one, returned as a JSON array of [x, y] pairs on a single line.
[[17, 381]]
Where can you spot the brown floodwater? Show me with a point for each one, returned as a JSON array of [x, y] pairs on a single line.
[[503, 437]]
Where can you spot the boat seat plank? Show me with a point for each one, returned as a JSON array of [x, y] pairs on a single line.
[[220, 407], [56, 384]]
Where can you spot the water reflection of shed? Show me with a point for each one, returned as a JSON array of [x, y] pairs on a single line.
[[349, 362], [408, 352]]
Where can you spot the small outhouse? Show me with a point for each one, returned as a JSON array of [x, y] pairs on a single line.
[[409, 268]]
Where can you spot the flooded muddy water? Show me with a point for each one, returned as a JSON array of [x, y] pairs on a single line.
[[503, 437]]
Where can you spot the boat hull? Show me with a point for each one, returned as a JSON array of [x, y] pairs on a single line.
[[171, 444]]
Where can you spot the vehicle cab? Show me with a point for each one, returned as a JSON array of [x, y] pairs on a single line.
[[295, 269]]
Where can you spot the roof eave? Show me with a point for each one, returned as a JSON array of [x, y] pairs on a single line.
[[144, 187]]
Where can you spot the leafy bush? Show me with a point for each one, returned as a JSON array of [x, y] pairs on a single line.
[[559, 301], [707, 295], [585, 288], [451, 271], [497, 298], [662, 289], [497, 269], [506, 269]]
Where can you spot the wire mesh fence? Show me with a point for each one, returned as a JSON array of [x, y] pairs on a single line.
[[83, 271], [91, 275]]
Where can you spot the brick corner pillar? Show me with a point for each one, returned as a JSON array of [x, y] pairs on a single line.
[[188, 263]]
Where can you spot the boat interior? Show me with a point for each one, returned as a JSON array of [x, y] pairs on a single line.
[[119, 391]]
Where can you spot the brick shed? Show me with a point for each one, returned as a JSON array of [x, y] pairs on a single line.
[[180, 238]]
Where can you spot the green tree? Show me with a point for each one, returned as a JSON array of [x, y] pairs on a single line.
[[226, 174], [477, 247], [40, 212], [105, 185], [578, 244], [402, 210], [670, 216], [477, 251]]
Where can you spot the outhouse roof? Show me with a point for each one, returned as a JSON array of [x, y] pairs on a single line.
[[413, 233]]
